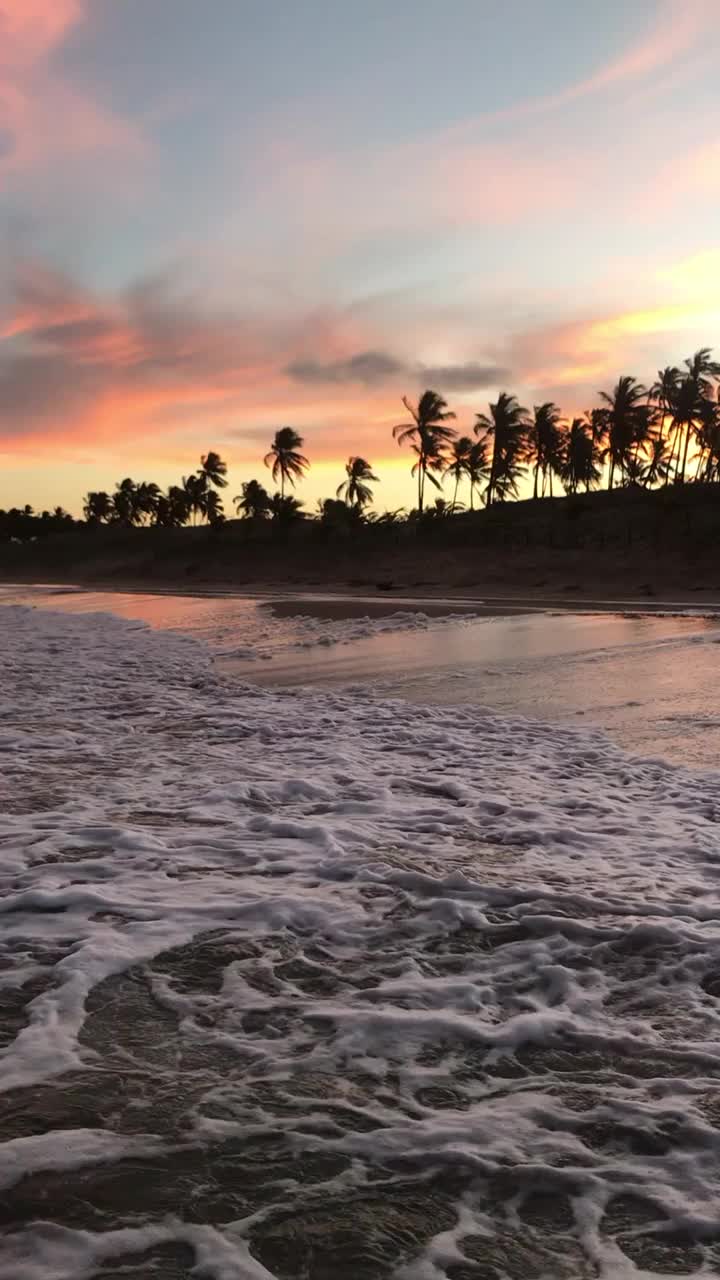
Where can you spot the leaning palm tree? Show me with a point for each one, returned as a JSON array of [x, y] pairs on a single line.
[[428, 436], [285, 458], [457, 463], [506, 426], [355, 490], [214, 469], [626, 414], [253, 502]]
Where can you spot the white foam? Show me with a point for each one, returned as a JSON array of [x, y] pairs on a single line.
[[146, 802]]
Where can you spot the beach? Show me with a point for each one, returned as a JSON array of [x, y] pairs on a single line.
[[308, 982]]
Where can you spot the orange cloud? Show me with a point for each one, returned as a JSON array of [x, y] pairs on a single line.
[[78, 369]]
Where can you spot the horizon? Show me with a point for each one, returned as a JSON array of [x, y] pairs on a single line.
[[211, 229]]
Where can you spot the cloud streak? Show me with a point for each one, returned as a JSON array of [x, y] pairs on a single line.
[[368, 368], [376, 368], [44, 120]]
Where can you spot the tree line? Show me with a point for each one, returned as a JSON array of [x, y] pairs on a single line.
[[668, 433]]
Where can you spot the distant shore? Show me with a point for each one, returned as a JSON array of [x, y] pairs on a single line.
[[655, 550]]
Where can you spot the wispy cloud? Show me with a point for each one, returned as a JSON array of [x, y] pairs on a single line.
[[44, 118]]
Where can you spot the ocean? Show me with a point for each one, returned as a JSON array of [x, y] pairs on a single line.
[[333, 946]]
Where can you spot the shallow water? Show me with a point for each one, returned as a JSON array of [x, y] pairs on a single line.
[[307, 985], [648, 680]]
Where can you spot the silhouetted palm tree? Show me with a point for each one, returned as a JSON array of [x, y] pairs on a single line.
[[579, 455], [428, 436], [98, 507], [457, 463], [196, 494], [478, 467], [663, 394], [657, 466], [214, 469], [147, 494], [356, 489], [696, 385], [506, 426], [627, 416], [214, 512], [253, 502], [285, 458], [177, 511], [124, 500], [285, 508], [543, 444]]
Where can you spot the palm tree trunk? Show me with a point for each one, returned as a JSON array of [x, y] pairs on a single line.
[[535, 486], [491, 482], [671, 437], [282, 482], [454, 501], [685, 453], [612, 473]]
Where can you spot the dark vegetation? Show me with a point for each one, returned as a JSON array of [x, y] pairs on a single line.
[[656, 453], [644, 542]]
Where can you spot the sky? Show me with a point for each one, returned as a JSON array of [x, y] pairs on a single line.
[[219, 217]]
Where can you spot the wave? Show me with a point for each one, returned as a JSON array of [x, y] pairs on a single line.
[[302, 984]]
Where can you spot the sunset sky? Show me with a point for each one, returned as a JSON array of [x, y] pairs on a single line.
[[218, 217]]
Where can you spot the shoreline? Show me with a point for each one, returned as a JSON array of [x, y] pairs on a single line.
[[327, 600]]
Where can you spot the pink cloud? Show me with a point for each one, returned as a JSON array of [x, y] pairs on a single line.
[[43, 119]]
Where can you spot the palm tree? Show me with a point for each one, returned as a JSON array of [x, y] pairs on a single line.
[[285, 509], [478, 467], [125, 502], [147, 494], [579, 457], [543, 444], [253, 502], [196, 494], [178, 505], [285, 459], [214, 469], [214, 508], [506, 426], [356, 490], [695, 386], [429, 437], [98, 507], [663, 394], [659, 460], [457, 464], [626, 416]]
